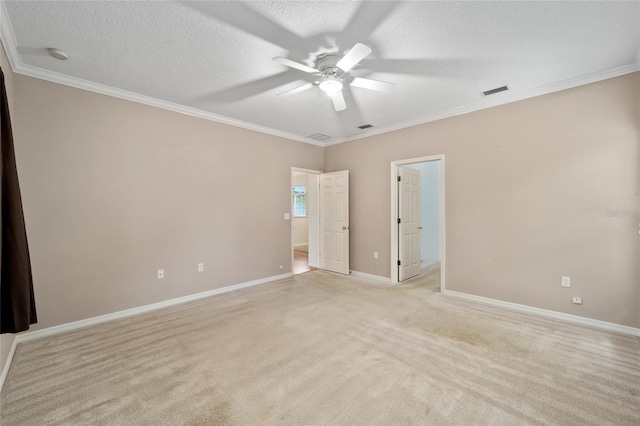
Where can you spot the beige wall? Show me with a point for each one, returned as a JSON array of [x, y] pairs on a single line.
[[114, 190], [527, 188], [6, 340]]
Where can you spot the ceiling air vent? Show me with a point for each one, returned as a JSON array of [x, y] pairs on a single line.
[[496, 90], [365, 126], [319, 137]]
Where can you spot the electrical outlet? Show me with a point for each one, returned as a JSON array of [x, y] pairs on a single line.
[[566, 281], [577, 300], [160, 274], [200, 267], [375, 254]]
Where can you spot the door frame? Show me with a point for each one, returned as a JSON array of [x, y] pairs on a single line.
[[395, 165], [310, 172]]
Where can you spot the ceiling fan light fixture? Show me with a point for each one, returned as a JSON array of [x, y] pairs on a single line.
[[331, 85], [331, 73]]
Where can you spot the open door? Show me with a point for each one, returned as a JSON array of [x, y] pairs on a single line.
[[334, 222], [409, 223]]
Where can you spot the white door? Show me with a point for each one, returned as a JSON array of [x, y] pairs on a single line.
[[409, 223], [334, 221]]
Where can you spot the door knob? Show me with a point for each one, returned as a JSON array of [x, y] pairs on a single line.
[[344, 228], [419, 227]]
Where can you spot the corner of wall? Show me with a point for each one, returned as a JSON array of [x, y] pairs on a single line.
[[7, 348]]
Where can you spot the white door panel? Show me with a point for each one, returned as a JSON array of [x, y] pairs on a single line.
[[409, 232], [334, 221]]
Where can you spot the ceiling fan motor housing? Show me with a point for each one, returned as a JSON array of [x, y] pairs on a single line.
[[327, 65], [331, 75]]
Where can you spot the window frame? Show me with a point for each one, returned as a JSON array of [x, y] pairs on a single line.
[[293, 200]]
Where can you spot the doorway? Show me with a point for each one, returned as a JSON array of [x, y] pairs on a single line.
[[304, 220], [417, 239], [320, 221]]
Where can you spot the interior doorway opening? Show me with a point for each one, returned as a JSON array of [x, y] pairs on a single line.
[[418, 220], [305, 221]]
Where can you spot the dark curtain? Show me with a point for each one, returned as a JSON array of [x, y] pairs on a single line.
[[17, 304]]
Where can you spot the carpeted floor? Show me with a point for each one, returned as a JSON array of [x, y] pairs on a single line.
[[321, 348]]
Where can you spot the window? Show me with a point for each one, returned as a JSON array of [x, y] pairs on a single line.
[[299, 200]]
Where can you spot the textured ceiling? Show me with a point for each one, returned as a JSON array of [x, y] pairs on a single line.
[[213, 59]]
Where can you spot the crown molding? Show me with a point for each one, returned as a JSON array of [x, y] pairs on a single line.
[[7, 37], [78, 83], [504, 98], [10, 45]]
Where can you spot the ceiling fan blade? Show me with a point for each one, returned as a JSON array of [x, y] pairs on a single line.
[[355, 55], [250, 20], [296, 65], [364, 21], [338, 101], [296, 90], [450, 68], [245, 90], [366, 83]]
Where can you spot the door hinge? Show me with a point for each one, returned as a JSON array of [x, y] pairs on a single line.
[[399, 220], [399, 179], [399, 263]]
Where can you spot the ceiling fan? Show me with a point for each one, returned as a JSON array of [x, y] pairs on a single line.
[[332, 71]]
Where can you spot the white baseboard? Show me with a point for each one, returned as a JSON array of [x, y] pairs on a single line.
[[371, 277], [50, 331], [300, 245], [7, 364], [575, 319]]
